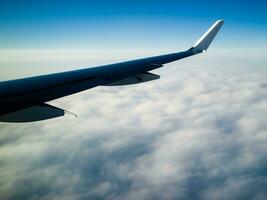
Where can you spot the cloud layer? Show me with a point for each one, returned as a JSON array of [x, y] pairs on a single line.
[[197, 133]]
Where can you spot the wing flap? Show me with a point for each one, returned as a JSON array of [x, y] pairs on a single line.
[[138, 78], [34, 113]]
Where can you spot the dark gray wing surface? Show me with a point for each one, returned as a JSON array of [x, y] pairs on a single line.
[[18, 95]]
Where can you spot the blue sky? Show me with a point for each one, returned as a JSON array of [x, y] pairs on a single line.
[[128, 24]]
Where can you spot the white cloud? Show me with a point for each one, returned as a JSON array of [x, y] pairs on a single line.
[[197, 133]]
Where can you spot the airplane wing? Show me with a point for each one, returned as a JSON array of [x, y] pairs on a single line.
[[23, 100]]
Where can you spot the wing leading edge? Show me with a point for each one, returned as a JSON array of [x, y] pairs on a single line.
[[18, 95]]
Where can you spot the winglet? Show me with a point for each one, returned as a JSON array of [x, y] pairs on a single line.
[[204, 42]]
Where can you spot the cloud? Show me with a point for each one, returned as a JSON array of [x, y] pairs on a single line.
[[197, 133]]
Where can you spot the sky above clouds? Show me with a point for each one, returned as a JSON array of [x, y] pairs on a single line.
[[199, 132], [128, 24]]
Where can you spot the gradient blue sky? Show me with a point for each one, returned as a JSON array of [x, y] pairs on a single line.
[[148, 24]]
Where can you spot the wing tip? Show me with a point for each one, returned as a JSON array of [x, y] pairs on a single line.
[[204, 42]]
